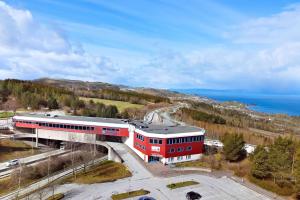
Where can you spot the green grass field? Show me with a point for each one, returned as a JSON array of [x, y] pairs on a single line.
[[12, 149], [130, 194], [6, 114], [121, 105], [181, 184], [106, 171]]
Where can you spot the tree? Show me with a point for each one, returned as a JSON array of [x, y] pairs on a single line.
[[233, 147], [260, 164], [281, 156], [297, 172], [52, 103]]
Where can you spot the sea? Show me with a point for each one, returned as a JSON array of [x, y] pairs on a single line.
[[267, 103]]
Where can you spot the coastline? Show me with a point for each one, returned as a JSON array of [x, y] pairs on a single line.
[[264, 104]]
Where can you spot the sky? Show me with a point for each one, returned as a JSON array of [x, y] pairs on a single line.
[[248, 45]]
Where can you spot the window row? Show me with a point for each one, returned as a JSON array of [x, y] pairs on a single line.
[[155, 141], [179, 158], [140, 137], [64, 126], [185, 139], [140, 146], [110, 130], [180, 149]]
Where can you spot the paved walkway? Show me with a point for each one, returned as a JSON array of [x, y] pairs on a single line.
[[136, 168]]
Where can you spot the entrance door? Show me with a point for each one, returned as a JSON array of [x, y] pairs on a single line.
[[154, 159]]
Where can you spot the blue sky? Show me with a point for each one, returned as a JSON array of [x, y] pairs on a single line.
[[246, 44]]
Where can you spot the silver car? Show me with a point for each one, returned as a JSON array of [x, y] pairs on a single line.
[[12, 163]]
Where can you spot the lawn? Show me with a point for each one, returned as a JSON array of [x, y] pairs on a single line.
[[56, 197], [181, 184], [12, 149], [197, 163], [129, 194], [6, 114], [107, 171], [121, 105]]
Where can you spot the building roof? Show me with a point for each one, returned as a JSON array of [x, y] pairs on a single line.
[[141, 125], [163, 129], [76, 118]]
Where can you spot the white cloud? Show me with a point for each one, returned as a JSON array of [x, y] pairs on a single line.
[[29, 49], [278, 28], [260, 54]]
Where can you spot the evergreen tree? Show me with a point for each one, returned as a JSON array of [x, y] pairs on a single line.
[[233, 147], [260, 165], [52, 103], [296, 172], [281, 156]]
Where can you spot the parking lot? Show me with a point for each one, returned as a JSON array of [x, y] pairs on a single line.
[[209, 187]]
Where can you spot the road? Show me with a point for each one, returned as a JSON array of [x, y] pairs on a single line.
[[162, 115], [5, 171]]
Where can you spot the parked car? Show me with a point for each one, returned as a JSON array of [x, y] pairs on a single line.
[[193, 195], [12, 163], [146, 198]]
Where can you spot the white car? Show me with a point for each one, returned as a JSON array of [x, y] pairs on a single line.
[[12, 163]]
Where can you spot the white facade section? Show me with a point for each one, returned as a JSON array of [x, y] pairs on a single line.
[[178, 159], [130, 143]]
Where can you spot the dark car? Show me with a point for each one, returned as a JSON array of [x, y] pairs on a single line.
[[193, 195], [146, 198]]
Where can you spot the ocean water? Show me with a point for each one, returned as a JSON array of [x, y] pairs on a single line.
[[267, 103]]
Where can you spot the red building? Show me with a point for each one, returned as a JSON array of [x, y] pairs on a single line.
[[167, 144]]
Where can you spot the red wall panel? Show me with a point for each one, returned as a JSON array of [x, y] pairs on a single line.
[[98, 129]]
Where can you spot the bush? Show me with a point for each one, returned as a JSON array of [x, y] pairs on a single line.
[[271, 186]]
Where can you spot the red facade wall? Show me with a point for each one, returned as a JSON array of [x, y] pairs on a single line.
[[197, 147], [98, 129]]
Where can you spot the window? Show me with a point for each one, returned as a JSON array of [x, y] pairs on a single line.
[[188, 157], [189, 148], [179, 149], [179, 158], [171, 150], [170, 159], [155, 141]]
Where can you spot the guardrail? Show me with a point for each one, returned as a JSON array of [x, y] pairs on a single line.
[[46, 181]]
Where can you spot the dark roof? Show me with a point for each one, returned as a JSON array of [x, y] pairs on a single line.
[[76, 118], [150, 128], [163, 129]]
